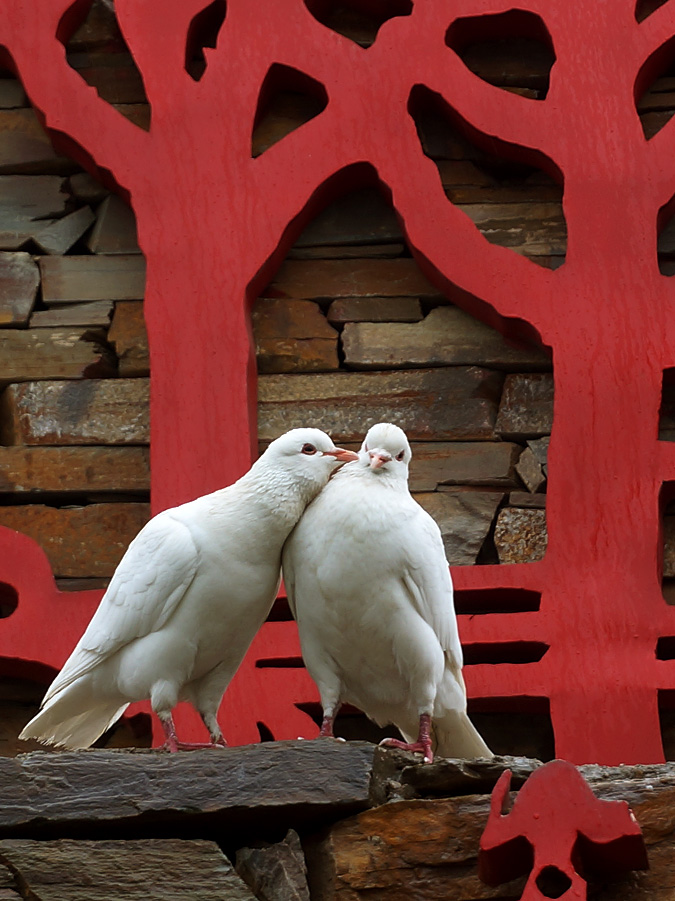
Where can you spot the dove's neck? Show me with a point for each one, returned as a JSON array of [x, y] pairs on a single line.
[[279, 496]]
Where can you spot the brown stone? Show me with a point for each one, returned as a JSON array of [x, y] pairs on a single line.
[[464, 518], [19, 281], [429, 404], [530, 471], [446, 337], [669, 547], [74, 469], [129, 337], [140, 870], [315, 279], [347, 252], [90, 411], [360, 217], [375, 309], [12, 94], [28, 205], [288, 111], [79, 541], [520, 535], [31, 354], [539, 448], [75, 279], [526, 408], [86, 188], [25, 147], [96, 314], [115, 229], [463, 463], [59, 236], [534, 229], [114, 75], [421, 849], [275, 872], [525, 499], [293, 336], [99, 31]]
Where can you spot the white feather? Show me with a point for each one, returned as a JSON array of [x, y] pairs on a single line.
[[370, 588], [186, 599]]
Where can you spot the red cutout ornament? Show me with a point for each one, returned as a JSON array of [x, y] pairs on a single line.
[[214, 223], [557, 827]]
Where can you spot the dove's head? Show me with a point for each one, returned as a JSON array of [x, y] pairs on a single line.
[[306, 456], [385, 449]]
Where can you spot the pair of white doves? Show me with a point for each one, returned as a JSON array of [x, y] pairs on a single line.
[[367, 581]]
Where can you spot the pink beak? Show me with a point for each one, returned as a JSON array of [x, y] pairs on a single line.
[[378, 458], [344, 456]]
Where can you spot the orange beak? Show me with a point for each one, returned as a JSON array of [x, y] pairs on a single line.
[[344, 456]]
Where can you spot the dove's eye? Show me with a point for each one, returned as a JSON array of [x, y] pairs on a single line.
[[308, 449], [400, 455]]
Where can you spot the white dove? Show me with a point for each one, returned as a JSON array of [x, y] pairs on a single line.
[[186, 600], [369, 585]]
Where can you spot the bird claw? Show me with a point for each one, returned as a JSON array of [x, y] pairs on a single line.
[[416, 747]]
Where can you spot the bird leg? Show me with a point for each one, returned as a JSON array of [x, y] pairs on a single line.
[[172, 744], [421, 746], [327, 727]]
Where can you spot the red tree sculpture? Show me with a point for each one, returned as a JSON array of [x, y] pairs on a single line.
[[556, 828], [215, 238]]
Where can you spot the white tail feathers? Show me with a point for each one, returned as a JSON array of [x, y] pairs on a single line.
[[456, 736], [54, 726]]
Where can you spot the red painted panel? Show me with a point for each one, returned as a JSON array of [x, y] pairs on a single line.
[[214, 223]]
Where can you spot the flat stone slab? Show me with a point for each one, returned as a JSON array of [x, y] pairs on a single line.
[[165, 870], [105, 794]]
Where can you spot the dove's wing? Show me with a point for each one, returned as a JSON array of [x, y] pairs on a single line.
[[148, 585], [426, 578]]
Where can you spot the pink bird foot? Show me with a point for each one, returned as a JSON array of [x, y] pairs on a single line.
[[421, 746], [172, 744]]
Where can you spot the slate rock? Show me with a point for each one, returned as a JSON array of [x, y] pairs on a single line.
[[12, 94], [360, 217], [32, 354], [316, 279], [129, 337], [539, 448], [275, 872], [669, 547], [115, 228], [25, 147], [530, 471], [239, 792], [446, 337], [487, 463], [96, 314], [293, 336], [19, 282], [87, 411], [464, 518], [79, 541], [81, 470], [74, 279], [457, 403], [375, 309], [525, 499], [520, 535], [165, 870], [526, 408], [85, 188], [59, 236]]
